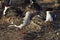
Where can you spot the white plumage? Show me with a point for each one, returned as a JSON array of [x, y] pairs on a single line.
[[48, 16], [5, 10], [26, 21]]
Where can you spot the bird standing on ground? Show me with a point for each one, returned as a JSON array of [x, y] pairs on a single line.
[[50, 16]]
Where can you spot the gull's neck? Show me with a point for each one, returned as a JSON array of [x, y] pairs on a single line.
[[48, 12]]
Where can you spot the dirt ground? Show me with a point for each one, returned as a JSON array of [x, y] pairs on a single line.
[[38, 29]]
